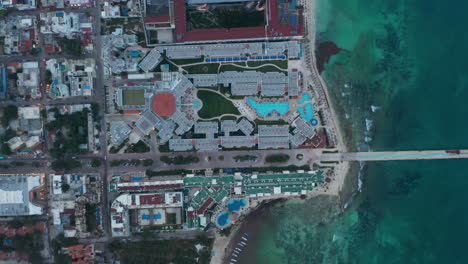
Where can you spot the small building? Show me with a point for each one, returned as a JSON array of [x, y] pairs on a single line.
[[119, 132]]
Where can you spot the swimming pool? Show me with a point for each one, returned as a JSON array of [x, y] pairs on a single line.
[[305, 97], [307, 112], [197, 104], [264, 109], [222, 219], [135, 54], [236, 205]]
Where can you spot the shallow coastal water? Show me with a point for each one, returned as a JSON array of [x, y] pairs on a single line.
[[400, 81]]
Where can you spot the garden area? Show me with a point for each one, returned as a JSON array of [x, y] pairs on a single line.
[[225, 16], [179, 160], [215, 105], [163, 251], [277, 158]]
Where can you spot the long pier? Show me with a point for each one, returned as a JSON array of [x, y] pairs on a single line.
[[395, 155]]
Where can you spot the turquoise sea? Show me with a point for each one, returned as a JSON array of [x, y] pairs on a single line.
[[400, 79]]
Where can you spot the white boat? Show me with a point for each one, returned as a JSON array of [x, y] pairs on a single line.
[[233, 260], [243, 238]]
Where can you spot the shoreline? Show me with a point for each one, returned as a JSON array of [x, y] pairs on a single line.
[[224, 244]]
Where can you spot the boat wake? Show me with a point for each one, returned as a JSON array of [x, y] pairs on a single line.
[[375, 108]]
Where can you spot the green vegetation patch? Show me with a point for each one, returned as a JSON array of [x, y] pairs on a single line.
[[187, 61], [139, 147], [202, 68], [151, 173], [229, 16], [277, 158], [245, 158], [90, 215], [132, 162], [96, 163], [71, 133], [270, 122], [60, 242], [9, 113], [215, 105], [283, 64], [65, 164], [171, 218], [130, 25], [162, 251], [133, 97], [71, 46], [29, 244], [179, 160]]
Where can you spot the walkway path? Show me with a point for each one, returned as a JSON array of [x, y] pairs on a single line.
[[394, 155]]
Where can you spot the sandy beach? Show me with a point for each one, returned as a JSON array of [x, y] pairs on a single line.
[[223, 244]]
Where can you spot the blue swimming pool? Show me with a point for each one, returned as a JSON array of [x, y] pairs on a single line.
[[264, 109], [222, 219], [135, 54], [236, 205], [145, 217], [307, 112], [197, 104], [305, 97]]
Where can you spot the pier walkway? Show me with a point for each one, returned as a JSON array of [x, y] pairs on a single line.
[[394, 155]]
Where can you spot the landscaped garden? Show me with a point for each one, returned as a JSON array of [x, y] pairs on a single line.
[[215, 105]]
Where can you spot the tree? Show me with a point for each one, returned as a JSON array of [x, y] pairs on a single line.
[[96, 163], [95, 109], [34, 51], [72, 46], [65, 187], [65, 165], [147, 162], [10, 112], [90, 215], [225, 231], [115, 246], [48, 77], [277, 158], [43, 113], [16, 223], [9, 134], [5, 149]]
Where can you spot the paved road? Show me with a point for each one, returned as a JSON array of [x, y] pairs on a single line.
[[211, 159]]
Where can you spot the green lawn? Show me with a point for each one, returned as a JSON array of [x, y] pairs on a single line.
[[139, 147], [267, 68], [170, 219], [202, 68], [213, 67], [187, 61], [133, 97], [270, 122], [215, 105], [283, 64]]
